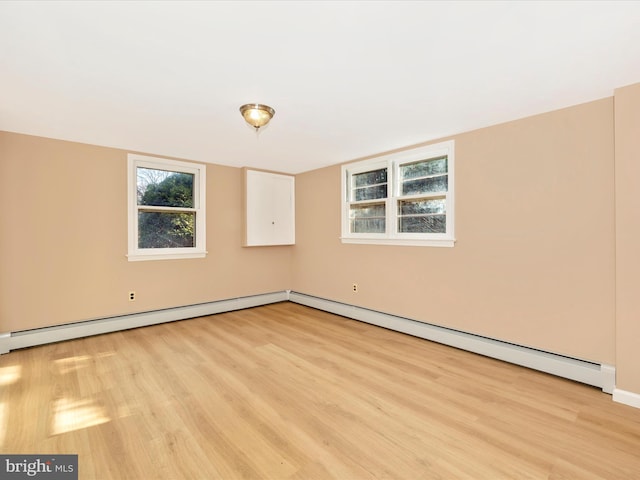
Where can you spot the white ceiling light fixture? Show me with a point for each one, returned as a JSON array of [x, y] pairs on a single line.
[[257, 115]]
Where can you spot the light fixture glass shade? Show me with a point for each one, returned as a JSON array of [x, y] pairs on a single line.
[[256, 114]]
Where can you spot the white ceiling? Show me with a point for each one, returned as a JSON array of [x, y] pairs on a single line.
[[347, 79]]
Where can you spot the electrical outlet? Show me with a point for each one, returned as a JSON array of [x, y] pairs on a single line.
[[355, 287], [132, 296]]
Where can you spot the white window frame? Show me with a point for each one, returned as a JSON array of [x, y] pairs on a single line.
[[199, 199], [393, 162]]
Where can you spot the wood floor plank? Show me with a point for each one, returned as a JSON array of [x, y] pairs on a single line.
[[288, 392]]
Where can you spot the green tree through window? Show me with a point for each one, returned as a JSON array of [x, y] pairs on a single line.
[[165, 229]]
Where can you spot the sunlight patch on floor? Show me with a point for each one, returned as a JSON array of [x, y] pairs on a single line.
[[9, 375], [70, 415], [71, 364]]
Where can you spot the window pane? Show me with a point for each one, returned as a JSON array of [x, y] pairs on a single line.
[[368, 218], [423, 224], [370, 193], [424, 168], [422, 206], [370, 210], [425, 185], [166, 230], [373, 177], [368, 225], [163, 188]]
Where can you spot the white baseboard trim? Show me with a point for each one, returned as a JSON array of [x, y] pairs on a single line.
[[29, 338], [627, 398], [602, 376]]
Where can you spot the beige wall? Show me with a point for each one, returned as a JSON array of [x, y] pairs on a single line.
[[627, 121], [63, 240], [534, 261]]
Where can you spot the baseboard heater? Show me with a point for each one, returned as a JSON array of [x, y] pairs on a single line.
[[598, 375], [57, 333]]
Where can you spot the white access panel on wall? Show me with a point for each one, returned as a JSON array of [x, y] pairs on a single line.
[[269, 209]]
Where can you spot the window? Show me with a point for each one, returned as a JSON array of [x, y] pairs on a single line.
[[166, 209], [404, 198]]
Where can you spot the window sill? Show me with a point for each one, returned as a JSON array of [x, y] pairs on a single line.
[[164, 256], [407, 242]]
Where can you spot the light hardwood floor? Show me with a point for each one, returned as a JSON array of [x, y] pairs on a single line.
[[287, 392]]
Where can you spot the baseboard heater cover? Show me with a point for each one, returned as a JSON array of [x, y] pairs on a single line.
[[57, 333], [598, 375]]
